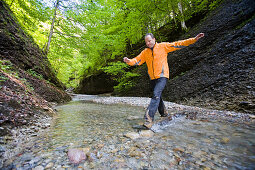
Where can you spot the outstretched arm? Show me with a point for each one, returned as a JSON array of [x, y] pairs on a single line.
[[138, 60], [183, 43]]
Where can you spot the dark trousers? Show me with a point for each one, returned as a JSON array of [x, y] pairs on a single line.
[[156, 102]]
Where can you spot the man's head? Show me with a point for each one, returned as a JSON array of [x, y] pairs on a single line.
[[150, 40]]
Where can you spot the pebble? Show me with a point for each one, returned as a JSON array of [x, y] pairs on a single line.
[[252, 116], [133, 117], [225, 140], [132, 135], [38, 168], [49, 165], [146, 133]]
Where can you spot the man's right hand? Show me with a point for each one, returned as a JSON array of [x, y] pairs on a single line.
[[126, 60]]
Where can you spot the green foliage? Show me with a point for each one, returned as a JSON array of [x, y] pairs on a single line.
[[6, 66], [89, 34], [117, 69], [34, 74], [176, 77], [32, 16], [119, 72], [126, 82], [3, 79]]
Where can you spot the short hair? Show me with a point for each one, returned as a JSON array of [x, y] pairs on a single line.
[[149, 34]]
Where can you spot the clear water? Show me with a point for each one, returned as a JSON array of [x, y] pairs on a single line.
[[79, 122], [178, 144], [203, 144]]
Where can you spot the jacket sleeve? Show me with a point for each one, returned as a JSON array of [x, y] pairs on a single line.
[[179, 44], [139, 60]]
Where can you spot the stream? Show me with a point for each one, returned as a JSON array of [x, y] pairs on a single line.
[[101, 130]]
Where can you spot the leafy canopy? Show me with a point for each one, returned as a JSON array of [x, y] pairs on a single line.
[[90, 34]]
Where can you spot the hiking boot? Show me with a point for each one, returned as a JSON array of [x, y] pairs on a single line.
[[148, 120], [165, 114], [148, 124]]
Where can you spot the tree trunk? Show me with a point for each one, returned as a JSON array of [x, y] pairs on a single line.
[[173, 11], [52, 27], [182, 15]]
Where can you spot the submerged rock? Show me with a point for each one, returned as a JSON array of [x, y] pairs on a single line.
[[146, 133], [132, 135], [142, 133], [76, 156]]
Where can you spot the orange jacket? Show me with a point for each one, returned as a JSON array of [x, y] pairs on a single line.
[[156, 60]]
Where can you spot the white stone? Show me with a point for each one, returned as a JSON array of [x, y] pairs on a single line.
[[38, 168], [146, 133], [132, 135]]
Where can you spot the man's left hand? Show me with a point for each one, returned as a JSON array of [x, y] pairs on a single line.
[[200, 35]]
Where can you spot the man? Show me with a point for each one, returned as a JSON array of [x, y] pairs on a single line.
[[155, 57]]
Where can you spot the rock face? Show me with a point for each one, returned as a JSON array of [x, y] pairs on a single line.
[[218, 71], [25, 55], [20, 49], [28, 85], [96, 84]]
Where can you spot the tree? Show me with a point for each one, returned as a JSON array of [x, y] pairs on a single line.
[[81, 37], [180, 6], [52, 27]]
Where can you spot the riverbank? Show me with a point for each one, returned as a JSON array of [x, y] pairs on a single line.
[[16, 142]]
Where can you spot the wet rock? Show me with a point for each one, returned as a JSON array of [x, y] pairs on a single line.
[[178, 150], [86, 150], [252, 116], [133, 117], [101, 145], [38, 168], [46, 125], [49, 165], [134, 152], [34, 161], [114, 151], [27, 157], [92, 157], [132, 135], [225, 140], [76, 156], [246, 105], [146, 133], [2, 149]]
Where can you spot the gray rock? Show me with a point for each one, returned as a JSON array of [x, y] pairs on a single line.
[[38, 168]]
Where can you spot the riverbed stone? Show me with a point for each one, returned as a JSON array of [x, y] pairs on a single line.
[[86, 150], [76, 155], [132, 135], [225, 140], [49, 165], [133, 117], [146, 133], [38, 168], [252, 116]]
